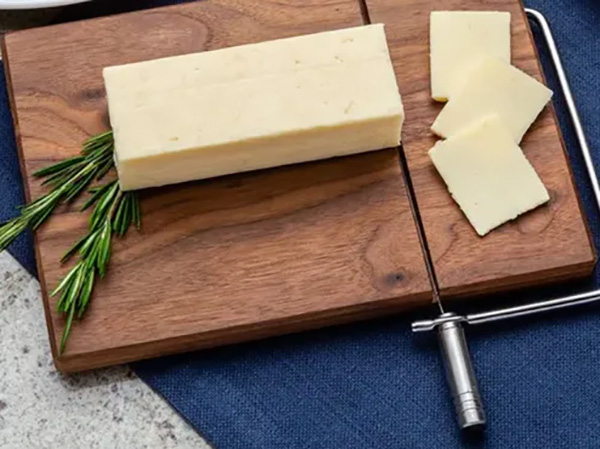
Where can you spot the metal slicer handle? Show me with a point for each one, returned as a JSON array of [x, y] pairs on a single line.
[[459, 374]]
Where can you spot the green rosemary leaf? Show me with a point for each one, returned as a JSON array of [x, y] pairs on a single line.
[[67, 330], [110, 163], [75, 248], [74, 173], [67, 292], [97, 193], [74, 286], [97, 140], [130, 211], [88, 248], [137, 219], [39, 212], [86, 293], [10, 231], [119, 216], [40, 217], [101, 155], [60, 305], [43, 201], [57, 179], [125, 219], [79, 186], [63, 283], [59, 166], [104, 249], [103, 206]]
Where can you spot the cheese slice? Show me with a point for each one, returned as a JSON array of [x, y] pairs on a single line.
[[488, 175], [458, 40], [494, 87], [252, 107]]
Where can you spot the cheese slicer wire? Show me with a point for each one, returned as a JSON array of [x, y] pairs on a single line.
[[449, 326]]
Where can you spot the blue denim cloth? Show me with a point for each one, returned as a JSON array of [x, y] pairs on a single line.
[[373, 384]]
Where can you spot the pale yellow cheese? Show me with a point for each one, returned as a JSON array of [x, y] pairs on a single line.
[[458, 40], [488, 175], [494, 87], [253, 107]]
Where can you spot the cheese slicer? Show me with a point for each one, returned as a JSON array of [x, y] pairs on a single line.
[[449, 326]]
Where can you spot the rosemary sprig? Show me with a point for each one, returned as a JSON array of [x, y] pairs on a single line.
[[67, 180], [113, 213]]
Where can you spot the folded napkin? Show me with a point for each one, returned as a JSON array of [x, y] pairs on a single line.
[[373, 384]]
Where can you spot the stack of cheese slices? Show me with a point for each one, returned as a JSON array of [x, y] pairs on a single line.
[[490, 106]]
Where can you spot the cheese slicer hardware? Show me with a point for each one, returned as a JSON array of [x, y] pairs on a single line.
[[449, 326]]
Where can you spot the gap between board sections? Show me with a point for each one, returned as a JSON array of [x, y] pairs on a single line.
[[414, 207], [412, 199], [364, 12]]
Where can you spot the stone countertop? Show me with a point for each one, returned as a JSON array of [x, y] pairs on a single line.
[[41, 408]]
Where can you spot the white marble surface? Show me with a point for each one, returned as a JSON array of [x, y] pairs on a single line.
[[43, 409]]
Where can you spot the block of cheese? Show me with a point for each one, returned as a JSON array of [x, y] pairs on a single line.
[[494, 87], [488, 175], [458, 40], [252, 107]]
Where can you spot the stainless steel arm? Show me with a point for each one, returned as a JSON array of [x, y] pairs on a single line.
[[539, 18], [510, 312], [536, 307]]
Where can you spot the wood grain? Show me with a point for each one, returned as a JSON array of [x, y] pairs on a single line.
[[549, 244], [223, 260]]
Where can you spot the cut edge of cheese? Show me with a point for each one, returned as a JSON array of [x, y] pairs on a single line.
[[488, 175]]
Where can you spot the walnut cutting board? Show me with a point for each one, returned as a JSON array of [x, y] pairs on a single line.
[[264, 253], [223, 260], [549, 244]]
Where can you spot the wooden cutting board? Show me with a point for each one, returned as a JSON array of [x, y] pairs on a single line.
[[549, 244], [224, 260], [259, 254]]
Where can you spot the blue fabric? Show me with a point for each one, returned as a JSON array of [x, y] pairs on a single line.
[[11, 185], [374, 385]]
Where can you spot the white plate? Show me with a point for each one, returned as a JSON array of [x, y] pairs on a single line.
[[32, 4]]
